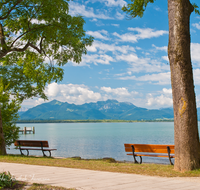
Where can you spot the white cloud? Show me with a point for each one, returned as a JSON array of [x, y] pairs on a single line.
[[142, 64], [116, 25], [167, 91], [166, 58], [196, 25], [119, 16], [98, 34], [105, 59], [160, 78], [196, 73], [195, 52], [110, 48], [95, 59], [157, 8], [128, 37], [35, 21], [121, 94], [142, 33], [94, 20], [115, 2], [164, 48], [159, 101], [129, 58], [77, 9], [72, 93], [111, 3], [53, 89], [116, 91]]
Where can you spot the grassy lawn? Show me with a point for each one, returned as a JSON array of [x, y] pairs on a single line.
[[101, 165], [36, 186], [20, 186]]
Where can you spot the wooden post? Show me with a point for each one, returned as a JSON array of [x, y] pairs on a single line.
[[24, 130], [33, 129]]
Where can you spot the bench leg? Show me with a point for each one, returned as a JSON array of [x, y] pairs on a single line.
[[171, 161], [134, 157], [168, 150], [23, 153], [135, 161], [45, 154]]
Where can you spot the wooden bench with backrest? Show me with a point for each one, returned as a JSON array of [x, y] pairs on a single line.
[[27, 144], [152, 150]]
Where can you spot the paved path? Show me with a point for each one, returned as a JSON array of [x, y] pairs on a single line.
[[96, 180]]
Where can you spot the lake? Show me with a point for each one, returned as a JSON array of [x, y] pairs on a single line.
[[98, 140]]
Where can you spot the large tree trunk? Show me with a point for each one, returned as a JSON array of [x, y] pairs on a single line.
[[2, 140], [186, 135]]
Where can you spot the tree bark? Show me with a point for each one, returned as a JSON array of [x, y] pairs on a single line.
[[186, 135], [2, 140]]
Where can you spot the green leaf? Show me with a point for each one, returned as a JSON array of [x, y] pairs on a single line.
[[136, 7], [196, 10]]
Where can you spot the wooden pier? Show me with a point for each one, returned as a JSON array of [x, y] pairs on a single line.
[[27, 130]]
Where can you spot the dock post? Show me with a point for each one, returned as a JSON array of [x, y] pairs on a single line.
[[33, 129], [24, 130]]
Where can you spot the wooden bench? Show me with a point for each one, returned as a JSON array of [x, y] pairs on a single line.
[[152, 150], [33, 143]]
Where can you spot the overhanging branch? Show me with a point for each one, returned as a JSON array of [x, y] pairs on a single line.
[[8, 13]]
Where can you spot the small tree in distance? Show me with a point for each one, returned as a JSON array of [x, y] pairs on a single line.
[[37, 38], [186, 137]]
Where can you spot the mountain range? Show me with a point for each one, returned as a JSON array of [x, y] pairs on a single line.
[[110, 109]]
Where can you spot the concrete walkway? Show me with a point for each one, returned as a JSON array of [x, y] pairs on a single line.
[[96, 180]]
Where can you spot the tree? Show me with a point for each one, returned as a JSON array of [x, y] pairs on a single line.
[[9, 115], [186, 137], [37, 38]]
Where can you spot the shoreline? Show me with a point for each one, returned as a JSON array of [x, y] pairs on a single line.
[[91, 121]]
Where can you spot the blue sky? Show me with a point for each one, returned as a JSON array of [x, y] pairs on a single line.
[[128, 59]]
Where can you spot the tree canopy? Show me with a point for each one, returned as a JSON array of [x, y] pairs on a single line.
[[138, 7], [37, 38]]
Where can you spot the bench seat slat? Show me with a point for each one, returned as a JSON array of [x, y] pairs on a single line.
[[149, 150], [152, 155], [45, 149]]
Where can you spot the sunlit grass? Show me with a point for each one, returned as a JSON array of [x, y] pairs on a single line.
[[36, 186]]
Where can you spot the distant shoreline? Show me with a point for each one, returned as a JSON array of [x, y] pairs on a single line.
[[92, 121]]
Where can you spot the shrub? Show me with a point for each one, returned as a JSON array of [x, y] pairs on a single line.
[[6, 180]]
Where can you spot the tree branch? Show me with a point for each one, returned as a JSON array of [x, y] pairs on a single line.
[[30, 30], [2, 38], [18, 1]]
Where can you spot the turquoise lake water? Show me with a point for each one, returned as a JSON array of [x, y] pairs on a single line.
[[98, 140]]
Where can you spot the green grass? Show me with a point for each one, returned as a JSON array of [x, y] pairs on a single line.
[[36, 186], [102, 165]]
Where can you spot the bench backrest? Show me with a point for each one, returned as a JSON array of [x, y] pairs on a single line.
[[151, 148], [32, 143]]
